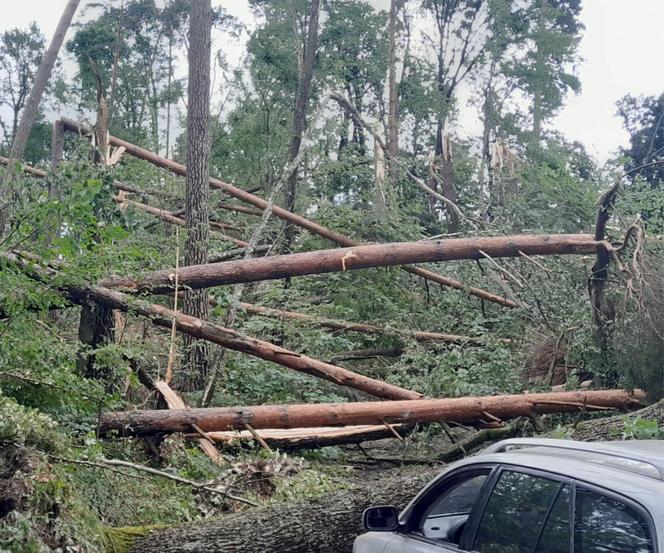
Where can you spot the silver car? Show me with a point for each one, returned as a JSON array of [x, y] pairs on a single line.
[[533, 496]]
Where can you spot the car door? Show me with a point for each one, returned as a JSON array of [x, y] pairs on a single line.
[[436, 521]]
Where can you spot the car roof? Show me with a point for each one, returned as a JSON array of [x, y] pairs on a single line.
[[631, 469], [644, 457]]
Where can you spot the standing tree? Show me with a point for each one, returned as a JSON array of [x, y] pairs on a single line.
[[21, 52], [306, 74], [198, 172], [643, 118], [393, 100], [459, 44], [20, 138], [546, 70]]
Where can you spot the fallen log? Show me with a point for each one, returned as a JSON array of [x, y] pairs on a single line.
[[620, 427], [231, 339], [173, 219], [179, 169], [359, 257], [460, 410], [27, 169], [240, 209], [364, 328], [308, 438], [228, 338], [328, 524]]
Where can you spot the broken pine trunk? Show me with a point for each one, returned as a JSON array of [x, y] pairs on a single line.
[[358, 257], [284, 214], [460, 410]]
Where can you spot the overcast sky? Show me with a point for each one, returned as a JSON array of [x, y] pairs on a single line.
[[621, 49]]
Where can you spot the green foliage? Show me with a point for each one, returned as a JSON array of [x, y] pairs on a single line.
[[25, 426], [636, 428]]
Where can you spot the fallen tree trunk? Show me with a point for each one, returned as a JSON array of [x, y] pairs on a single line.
[[234, 340], [27, 169], [328, 524], [619, 427], [359, 257], [228, 338], [312, 438], [173, 219], [460, 410], [420, 336], [284, 214]]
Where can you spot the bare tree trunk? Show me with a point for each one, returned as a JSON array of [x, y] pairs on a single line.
[[196, 303], [97, 322], [449, 188], [328, 524], [393, 107], [358, 257], [539, 70], [473, 410], [57, 145], [20, 139], [300, 113]]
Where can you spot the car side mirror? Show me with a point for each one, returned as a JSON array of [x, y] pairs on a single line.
[[384, 518]]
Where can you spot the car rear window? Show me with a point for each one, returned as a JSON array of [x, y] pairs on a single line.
[[605, 525]]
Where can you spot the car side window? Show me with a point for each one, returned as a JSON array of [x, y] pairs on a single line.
[[446, 517], [515, 513], [605, 525], [557, 532]]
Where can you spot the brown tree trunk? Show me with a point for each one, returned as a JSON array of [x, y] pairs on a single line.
[[57, 144], [231, 339], [313, 438], [359, 257], [617, 427], [96, 325], [460, 410], [284, 214], [329, 524], [20, 139], [393, 107], [196, 304], [300, 113], [234, 340]]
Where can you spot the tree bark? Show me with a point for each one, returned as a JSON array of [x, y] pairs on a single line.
[[313, 438], [96, 325], [393, 100], [325, 525], [164, 317], [603, 310], [616, 427], [360, 257], [178, 169], [31, 109], [57, 144], [231, 339], [300, 113], [459, 410], [196, 303]]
